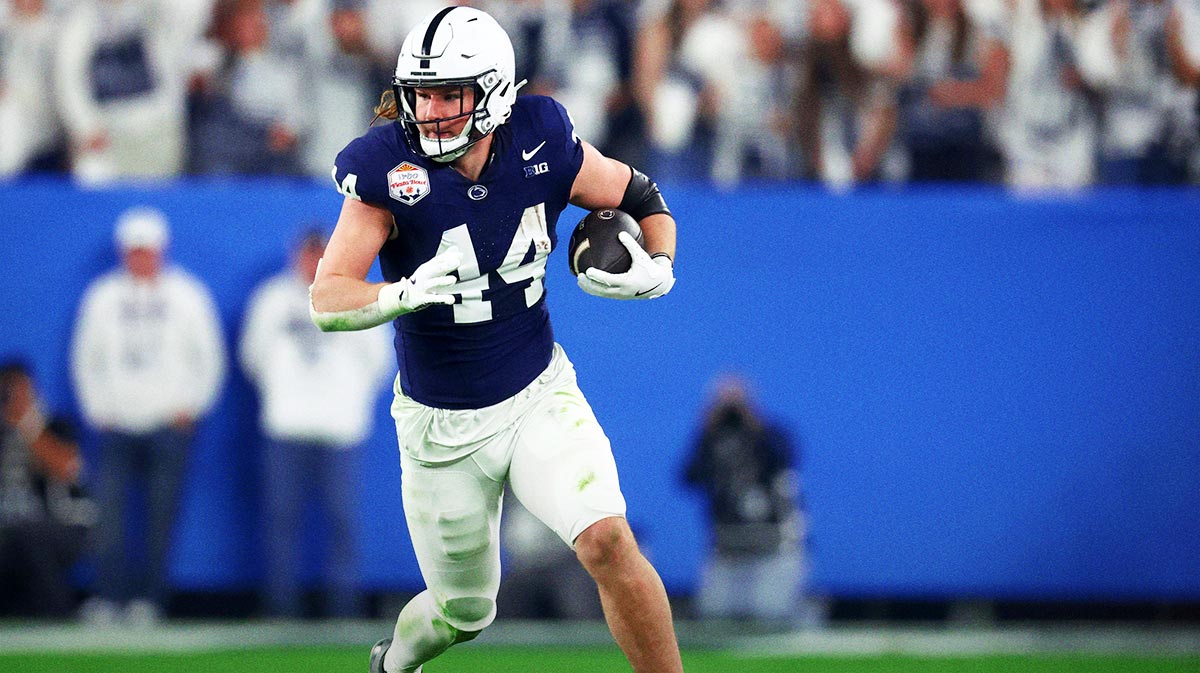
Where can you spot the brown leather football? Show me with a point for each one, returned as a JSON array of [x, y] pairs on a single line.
[[594, 242]]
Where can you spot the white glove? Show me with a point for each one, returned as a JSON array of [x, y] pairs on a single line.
[[426, 286], [648, 277]]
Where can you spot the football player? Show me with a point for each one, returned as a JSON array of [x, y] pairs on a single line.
[[459, 199]]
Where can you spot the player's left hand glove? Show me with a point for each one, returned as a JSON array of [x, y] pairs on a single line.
[[648, 277]]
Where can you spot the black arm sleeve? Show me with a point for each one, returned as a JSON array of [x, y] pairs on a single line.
[[642, 198]]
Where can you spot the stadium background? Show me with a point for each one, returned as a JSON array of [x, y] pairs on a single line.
[[997, 396], [996, 393]]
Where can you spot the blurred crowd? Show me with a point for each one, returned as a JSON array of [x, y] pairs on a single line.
[[148, 362], [1029, 93]]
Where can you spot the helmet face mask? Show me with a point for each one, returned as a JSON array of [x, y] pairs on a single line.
[[457, 47], [427, 135]]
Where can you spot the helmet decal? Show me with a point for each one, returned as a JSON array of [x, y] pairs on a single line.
[[436, 21]]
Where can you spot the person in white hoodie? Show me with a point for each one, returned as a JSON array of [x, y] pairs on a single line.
[[121, 74], [32, 138], [317, 394], [147, 362]]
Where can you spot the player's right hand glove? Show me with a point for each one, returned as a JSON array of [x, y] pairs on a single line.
[[426, 286], [648, 277]]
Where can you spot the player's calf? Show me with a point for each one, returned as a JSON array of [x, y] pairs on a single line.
[[634, 599]]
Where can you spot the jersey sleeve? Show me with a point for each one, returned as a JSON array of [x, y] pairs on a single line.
[[561, 131], [356, 175]]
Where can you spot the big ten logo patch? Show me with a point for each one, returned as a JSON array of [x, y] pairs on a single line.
[[537, 169]]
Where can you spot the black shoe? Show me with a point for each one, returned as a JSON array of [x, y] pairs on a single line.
[[377, 653]]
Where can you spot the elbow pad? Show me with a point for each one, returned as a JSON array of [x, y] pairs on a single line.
[[642, 198]]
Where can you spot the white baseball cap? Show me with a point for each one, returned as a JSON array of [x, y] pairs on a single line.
[[142, 227]]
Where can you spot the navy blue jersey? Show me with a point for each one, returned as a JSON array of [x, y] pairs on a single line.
[[496, 338]]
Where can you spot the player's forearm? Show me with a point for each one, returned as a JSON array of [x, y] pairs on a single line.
[[338, 303], [341, 303], [334, 292], [658, 231]]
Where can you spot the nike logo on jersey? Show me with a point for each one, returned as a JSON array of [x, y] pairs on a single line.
[[526, 156]]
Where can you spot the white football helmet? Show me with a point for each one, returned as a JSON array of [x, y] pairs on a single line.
[[457, 46]]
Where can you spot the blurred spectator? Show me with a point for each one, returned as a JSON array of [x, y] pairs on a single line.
[[543, 578], [540, 31], [1036, 93], [31, 132], [291, 24], [1183, 50], [1048, 131], [121, 72], [249, 117], [848, 112], [1183, 42], [1123, 56], [147, 361], [317, 394], [959, 73], [751, 93], [745, 466], [325, 41], [669, 93], [713, 112], [388, 21], [343, 91], [44, 516], [580, 52]]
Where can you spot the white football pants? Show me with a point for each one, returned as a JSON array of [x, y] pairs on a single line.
[[544, 440]]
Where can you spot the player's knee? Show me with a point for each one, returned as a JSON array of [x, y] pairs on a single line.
[[469, 616], [605, 543]]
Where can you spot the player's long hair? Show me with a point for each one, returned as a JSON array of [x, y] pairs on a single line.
[[387, 108]]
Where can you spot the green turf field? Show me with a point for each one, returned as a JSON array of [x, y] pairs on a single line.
[[580, 660]]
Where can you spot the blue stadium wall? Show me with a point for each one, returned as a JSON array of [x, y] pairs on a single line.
[[995, 396]]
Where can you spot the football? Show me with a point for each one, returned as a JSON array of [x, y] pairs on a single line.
[[594, 242]]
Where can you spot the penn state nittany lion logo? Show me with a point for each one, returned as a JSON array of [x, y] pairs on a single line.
[[408, 183]]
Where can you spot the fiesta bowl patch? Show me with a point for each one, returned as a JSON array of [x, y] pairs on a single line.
[[408, 183]]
